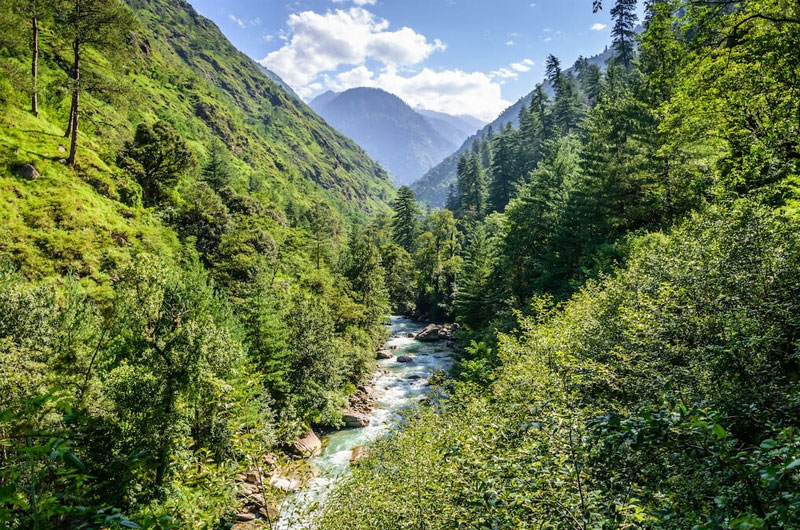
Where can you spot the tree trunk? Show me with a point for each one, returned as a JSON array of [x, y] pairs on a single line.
[[162, 465], [76, 94], [35, 65]]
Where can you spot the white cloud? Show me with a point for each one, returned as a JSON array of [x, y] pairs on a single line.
[[238, 21], [598, 27], [347, 48], [358, 2], [505, 73], [523, 66], [317, 43], [510, 42]]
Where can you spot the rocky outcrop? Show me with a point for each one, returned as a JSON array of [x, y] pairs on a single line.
[[308, 445], [434, 332], [383, 354], [429, 334], [254, 506], [287, 485], [355, 420], [405, 359]]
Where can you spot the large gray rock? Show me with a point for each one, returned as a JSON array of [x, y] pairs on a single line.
[[429, 334], [383, 354], [355, 420], [309, 444], [27, 171], [405, 359]]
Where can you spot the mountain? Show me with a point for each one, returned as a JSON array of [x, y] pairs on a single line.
[[456, 128], [275, 78], [406, 142], [232, 98], [434, 185]]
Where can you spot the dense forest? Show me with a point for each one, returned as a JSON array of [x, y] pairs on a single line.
[[626, 267], [195, 271]]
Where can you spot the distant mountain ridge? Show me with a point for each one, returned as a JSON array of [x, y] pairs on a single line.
[[433, 187], [407, 142]]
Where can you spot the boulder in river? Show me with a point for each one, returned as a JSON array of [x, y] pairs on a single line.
[[355, 420], [429, 334], [287, 485], [405, 359], [383, 354], [309, 444]]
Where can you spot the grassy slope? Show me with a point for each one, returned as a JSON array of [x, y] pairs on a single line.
[[184, 71]]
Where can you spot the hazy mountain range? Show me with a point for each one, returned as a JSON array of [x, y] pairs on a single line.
[[407, 142]]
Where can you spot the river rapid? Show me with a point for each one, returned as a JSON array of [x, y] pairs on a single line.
[[398, 386]]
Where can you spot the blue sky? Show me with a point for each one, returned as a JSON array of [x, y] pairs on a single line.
[[456, 56]]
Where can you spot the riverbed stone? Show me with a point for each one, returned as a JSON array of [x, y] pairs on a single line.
[[245, 517], [287, 485], [355, 420], [405, 359], [384, 354], [309, 444], [429, 334]]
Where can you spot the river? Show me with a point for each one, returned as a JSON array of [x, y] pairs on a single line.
[[397, 387]]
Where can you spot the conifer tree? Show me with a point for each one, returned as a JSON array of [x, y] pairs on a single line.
[[503, 177], [623, 32], [473, 304], [218, 170], [405, 225], [90, 24]]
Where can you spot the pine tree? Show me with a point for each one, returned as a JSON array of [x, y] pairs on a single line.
[[568, 109], [623, 32], [91, 24], [486, 154], [218, 170], [472, 304], [503, 177], [405, 225]]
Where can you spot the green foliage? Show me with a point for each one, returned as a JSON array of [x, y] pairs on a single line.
[[405, 226], [157, 158], [647, 400]]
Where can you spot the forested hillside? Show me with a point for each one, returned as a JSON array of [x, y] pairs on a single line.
[[625, 266], [196, 273], [183, 287], [432, 188]]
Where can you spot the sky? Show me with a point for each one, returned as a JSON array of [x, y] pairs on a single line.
[[471, 57]]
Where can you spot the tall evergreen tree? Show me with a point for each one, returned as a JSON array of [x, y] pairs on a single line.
[[623, 32], [568, 109], [101, 25], [503, 175], [405, 223], [472, 304], [218, 170]]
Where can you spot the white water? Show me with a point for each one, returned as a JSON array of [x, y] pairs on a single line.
[[394, 391]]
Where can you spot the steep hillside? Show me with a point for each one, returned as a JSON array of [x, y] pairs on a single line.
[[178, 294], [179, 68], [227, 95], [432, 188], [454, 128], [390, 131]]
